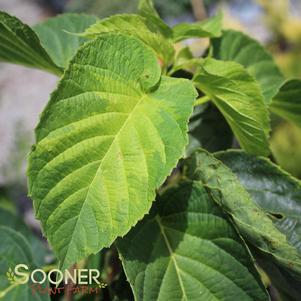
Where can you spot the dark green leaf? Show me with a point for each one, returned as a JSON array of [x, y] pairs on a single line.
[[20, 45], [186, 249], [274, 190], [15, 222], [208, 129], [15, 249], [252, 222]]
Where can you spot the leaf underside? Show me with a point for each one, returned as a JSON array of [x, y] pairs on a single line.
[[238, 97], [238, 47]]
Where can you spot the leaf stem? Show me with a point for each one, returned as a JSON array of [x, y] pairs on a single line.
[[202, 100], [8, 289]]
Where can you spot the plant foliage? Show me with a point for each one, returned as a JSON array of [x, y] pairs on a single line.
[[132, 101]]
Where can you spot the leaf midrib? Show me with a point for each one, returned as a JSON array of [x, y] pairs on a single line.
[[157, 219], [97, 171]]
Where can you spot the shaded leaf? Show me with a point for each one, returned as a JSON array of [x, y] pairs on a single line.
[[110, 135], [287, 103], [238, 97], [253, 224], [273, 189], [55, 35], [187, 250], [208, 28], [208, 129], [15, 249], [237, 46], [20, 45], [15, 222]]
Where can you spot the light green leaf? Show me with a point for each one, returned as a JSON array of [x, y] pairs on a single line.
[[273, 189], [20, 45], [147, 10], [253, 224], [208, 28], [110, 135], [55, 35], [146, 7], [238, 97], [138, 26], [15, 249], [287, 103], [186, 249], [237, 46]]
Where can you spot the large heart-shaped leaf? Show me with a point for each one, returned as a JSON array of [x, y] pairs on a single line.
[[208, 28], [238, 97], [274, 190], [110, 135], [287, 103], [20, 45], [186, 249], [254, 225], [237, 46], [136, 25], [55, 35], [14, 250]]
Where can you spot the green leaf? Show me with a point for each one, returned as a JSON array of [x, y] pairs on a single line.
[[138, 26], [20, 45], [186, 249], [208, 129], [253, 224], [146, 7], [55, 35], [287, 103], [147, 10], [274, 190], [237, 46], [208, 28], [110, 135], [279, 195], [15, 222], [15, 249], [238, 97]]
